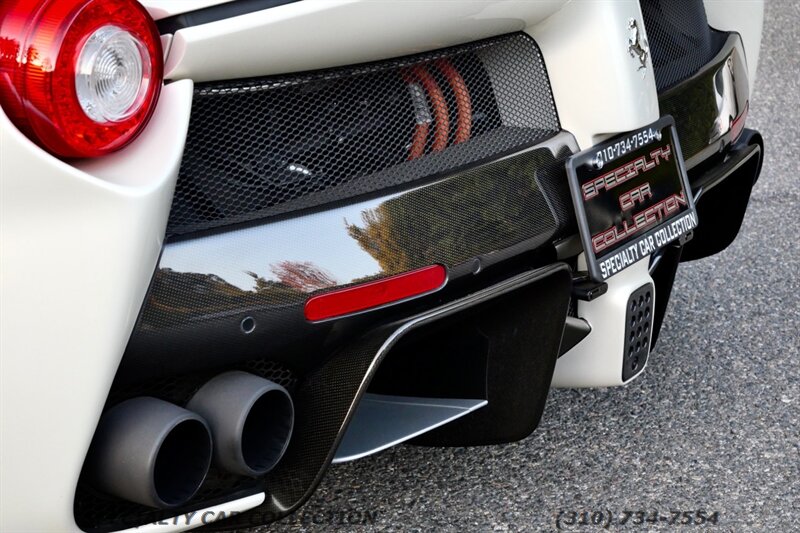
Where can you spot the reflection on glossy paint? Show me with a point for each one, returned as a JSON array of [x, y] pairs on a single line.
[[705, 106], [303, 276], [725, 97], [454, 220], [450, 221]]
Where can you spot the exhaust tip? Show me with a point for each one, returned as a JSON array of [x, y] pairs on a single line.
[[150, 452], [251, 419], [267, 430], [182, 462]]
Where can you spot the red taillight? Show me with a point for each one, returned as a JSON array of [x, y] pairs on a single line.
[[80, 77], [375, 293]]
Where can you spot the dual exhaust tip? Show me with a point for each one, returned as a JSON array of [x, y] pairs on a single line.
[[155, 453]]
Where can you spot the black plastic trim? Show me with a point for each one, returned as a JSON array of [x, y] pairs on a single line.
[[663, 270], [723, 198], [750, 146], [215, 13], [743, 164], [575, 330], [586, 289]]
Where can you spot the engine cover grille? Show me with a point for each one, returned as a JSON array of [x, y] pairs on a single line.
[[262, 147], [680, 39]]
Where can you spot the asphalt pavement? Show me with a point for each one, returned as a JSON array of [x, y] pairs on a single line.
[[713, 425]]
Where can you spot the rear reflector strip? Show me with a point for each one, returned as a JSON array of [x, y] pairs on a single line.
[[376, 293]]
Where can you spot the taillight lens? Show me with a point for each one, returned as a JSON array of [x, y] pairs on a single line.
[[80, 77]]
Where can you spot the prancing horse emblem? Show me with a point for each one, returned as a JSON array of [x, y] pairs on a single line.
[[637, 46]]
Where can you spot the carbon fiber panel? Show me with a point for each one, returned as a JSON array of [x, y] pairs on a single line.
[[205, 287], [326, 397], [326, 400]]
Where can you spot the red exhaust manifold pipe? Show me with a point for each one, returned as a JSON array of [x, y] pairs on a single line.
[[419, 74]]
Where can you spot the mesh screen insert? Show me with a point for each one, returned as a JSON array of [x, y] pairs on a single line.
[[262, 147], [681, 41]]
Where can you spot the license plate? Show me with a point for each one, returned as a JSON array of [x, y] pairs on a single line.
[[631, 197]]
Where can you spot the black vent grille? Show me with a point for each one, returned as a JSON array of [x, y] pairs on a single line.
[[262, 147], [638, 321], [681, 41]]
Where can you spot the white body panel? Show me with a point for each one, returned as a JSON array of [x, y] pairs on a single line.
[[79, 248], [596, 361], [315, 34], [745, 17], [597, 84]]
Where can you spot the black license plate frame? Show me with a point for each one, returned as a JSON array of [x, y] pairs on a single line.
[[632, 197]]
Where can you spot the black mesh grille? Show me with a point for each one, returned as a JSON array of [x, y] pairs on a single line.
[[95, 511], [681, 41], [267, 146], [180, 389]]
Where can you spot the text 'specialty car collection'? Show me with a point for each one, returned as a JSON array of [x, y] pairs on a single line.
[[243, 240]]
